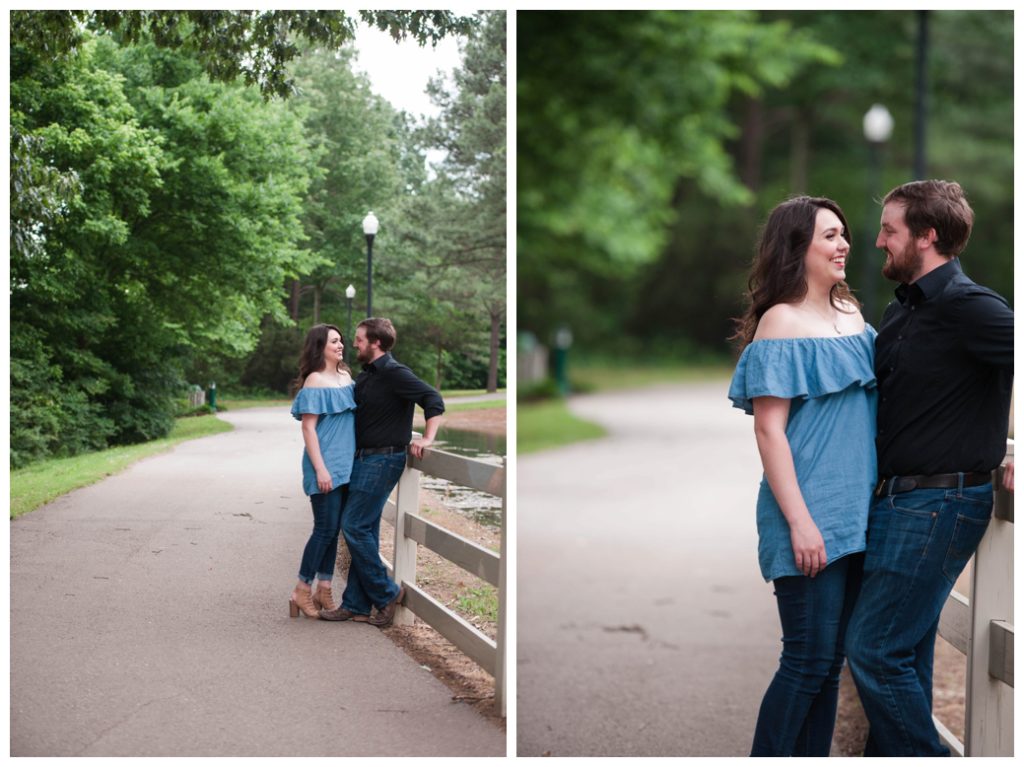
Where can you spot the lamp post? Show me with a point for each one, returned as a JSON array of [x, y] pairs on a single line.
[[370, 230], [563, 340], [878, 125], [350, 293]]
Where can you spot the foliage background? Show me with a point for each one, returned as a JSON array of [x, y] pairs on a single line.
[[645, 173], [186, 196]]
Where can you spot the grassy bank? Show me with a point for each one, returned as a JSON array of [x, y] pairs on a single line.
[[548, 424], [40, 483], [606, 376]]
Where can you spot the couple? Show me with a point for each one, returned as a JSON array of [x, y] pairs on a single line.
[[877, 449], [356, 436]]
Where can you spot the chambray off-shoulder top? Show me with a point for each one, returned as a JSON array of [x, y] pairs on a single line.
[[831, 432], [335, 430]]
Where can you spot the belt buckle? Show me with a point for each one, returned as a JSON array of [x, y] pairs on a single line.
[[885, 487]]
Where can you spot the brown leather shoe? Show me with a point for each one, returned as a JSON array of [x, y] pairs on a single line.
[[341, 614], [386, 614]]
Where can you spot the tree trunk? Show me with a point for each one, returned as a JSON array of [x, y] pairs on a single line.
[[316, 304], [752, 146], [438, 369], [492, 369], [800, 150], [293, 300]]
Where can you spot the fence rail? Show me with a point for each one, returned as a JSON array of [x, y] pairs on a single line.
[[412, 531], [981, 627]]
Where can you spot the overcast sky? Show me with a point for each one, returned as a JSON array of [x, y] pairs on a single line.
[[399, 71]]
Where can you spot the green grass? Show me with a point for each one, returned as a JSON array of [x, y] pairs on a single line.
[[485, 405], [610, 377], [467, 392], [41, 482], [479, 602], [240, 404], [549, 424]]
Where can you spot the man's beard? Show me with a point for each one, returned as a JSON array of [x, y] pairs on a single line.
[[905, 267], [364, 357]]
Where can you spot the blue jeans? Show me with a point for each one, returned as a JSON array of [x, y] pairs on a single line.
[[918, 543], [373, 479], [322, 547], [798, 712]]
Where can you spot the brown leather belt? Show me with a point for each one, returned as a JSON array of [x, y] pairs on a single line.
[[893, 485]]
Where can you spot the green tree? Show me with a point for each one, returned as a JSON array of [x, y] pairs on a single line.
[[256, 46], [613, 110], [470, 196], [182, 232]]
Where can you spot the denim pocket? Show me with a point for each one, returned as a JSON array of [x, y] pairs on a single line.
[[912, 525], [377, 473], [919, 503], [973, 512]]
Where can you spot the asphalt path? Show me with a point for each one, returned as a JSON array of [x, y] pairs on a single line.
[[644, 626], [149, 617]]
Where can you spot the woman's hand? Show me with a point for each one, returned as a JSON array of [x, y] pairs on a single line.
[[323, 480], [808, 548]]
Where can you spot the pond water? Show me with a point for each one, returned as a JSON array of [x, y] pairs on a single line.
[[481, 508]]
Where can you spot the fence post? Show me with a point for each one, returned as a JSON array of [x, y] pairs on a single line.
[[989, 705], [500, 661], [408, 502]]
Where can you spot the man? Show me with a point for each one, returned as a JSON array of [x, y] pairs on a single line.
[[944, 364], [387, 393]]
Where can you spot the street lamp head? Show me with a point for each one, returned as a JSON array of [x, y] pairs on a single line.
[[370, 224], [878, 124], [350, 292]]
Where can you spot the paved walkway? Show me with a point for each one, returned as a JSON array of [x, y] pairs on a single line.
[[149, 618], [644, 627]]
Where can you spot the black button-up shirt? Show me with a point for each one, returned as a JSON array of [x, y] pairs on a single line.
[[387, 393], [944, 363]]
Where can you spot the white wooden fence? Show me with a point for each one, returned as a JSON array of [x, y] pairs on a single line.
[[980, 625], [412, 530]]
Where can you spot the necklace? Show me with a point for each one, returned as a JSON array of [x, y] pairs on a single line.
[[831, 321]]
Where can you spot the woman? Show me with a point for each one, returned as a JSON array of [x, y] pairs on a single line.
[[806, 374], [325, 404]]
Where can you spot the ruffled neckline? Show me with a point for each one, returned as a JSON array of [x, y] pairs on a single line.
[[868, 330], [803, 368]]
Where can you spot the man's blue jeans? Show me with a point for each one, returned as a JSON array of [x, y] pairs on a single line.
[[798, 711], [918, 543], [373, 479]]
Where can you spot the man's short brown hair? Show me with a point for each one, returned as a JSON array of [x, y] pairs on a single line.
[[380, 329], [938, 205]]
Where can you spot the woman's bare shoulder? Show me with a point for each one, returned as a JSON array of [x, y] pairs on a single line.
[[316, 380], [781, 321]]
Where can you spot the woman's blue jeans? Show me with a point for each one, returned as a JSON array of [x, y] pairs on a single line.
[[918, 543], [322, 547], [798, 712], [373, 479]]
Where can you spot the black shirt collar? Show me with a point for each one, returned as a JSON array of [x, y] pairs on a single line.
[[930, 285], [378, 364]]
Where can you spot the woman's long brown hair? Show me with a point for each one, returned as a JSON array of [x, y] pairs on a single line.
[[778, 273], [312, 358]]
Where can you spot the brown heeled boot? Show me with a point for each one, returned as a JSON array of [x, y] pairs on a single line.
[[302, 602], [323, 599]]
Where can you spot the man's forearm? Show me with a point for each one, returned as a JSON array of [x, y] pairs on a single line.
[[430, 427]]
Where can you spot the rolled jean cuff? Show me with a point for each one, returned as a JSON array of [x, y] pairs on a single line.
[[325, 577], [304, 579]]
